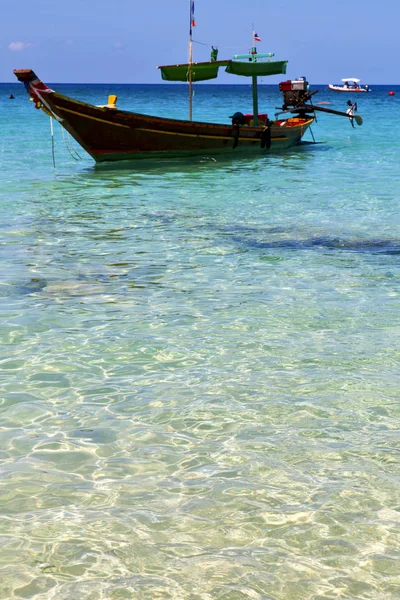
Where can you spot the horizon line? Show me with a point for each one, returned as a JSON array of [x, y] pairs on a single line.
[[171, 83]]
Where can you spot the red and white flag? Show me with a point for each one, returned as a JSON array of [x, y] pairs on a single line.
[[192, 19]]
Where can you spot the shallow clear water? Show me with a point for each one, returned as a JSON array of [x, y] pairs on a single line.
[[200, 361]]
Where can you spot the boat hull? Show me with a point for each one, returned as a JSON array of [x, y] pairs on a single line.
[[109, 134]]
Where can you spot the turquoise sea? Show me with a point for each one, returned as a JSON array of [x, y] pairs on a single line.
[[200, 360]]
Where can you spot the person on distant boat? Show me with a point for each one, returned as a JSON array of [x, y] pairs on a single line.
[[11, 97], [355, 85], [346, 85], [367, 88], [351, 110]]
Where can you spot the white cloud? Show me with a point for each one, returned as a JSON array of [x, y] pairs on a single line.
[[18, 46]]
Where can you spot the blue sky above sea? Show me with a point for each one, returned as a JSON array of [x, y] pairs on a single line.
[[99, 41]]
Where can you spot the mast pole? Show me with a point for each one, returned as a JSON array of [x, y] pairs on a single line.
[[190, 73], [255, 99], [190, 79], [254, 82]]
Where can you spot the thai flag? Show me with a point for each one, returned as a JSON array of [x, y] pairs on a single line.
[[256, 37], [192, 19]]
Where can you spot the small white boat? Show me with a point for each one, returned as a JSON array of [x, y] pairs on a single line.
[[350, 84]]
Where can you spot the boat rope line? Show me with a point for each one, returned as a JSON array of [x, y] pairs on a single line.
[[66, 143], [71, 151], [47, 106], [226, 47], [70, 139], [52, 141]]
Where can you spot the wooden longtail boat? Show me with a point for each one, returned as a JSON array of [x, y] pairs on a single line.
[[110, 134]]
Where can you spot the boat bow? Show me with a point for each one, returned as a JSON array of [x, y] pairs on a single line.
[[36, 89]]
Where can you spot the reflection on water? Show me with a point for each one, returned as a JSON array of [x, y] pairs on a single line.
[[204, 163]]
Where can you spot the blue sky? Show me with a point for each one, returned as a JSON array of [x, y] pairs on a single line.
[[122, 41]]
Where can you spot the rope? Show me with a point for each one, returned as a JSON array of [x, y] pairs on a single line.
[[68, 148], [53, 115], [75, 151], [52, 141], [226, 47]]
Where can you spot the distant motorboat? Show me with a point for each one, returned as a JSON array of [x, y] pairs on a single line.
[[350, 84]]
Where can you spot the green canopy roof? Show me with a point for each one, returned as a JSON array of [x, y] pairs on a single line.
[[200, 71], [203, 71], [250, 68]]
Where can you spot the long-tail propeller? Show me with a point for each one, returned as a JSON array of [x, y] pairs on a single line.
[[307, 108], [296, 94]]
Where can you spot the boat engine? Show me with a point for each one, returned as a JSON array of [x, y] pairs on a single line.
[[295, 92]]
